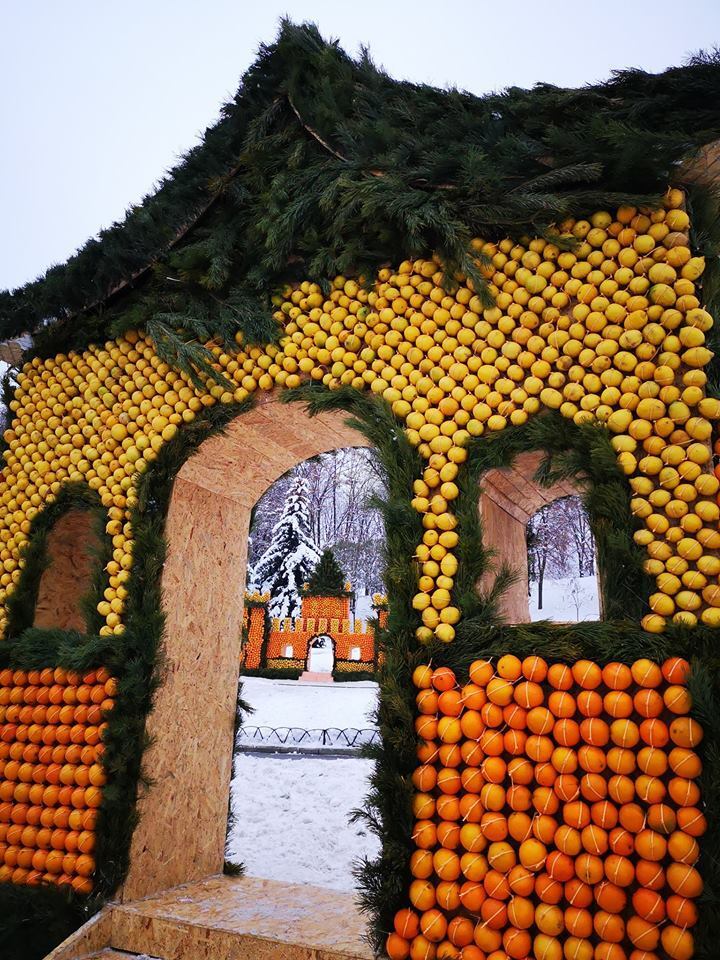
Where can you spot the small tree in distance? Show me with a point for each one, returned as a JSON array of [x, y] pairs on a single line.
[[327, 577]]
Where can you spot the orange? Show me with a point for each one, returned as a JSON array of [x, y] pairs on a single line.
[[519, 798], [472, 837], [619, 870], [654, 732], [521, 912], [661, 818], [472, 895], [496, 885], [422, 949], [681, 911], [646, 673], [422, 894], [492, 797], [560, 677], [449, 780], [450, 703], [449, 730], [509, 667], [446, 864], [617, 676], [494, 826], [650, 874], [473, 696], [491, 715], [519, 825], [650, 845], [685, 763], [559, 866], [678, 944], [460, 932], [676, 670], [529, 694], [421, 865], [486, 938], [407, 924], [443, 678], [684, 880], [433, 925], [517, 943], [540, 721], [609, 926], [500, 691], [448, 834], [422, 676], [501, 856], [643, 934], [649, 905], [521, 881], [494, 914], [587, 674], [427, 701], [578, 922], [447, 894], [691, 820], [618, 704], [685, 793], [589, 868], [685, 732], [396, 947], [450, 755], [595, 732], [481, 672], [472, 807], [546, 947], [447, 807], [534, 668], [561, 704], [474, 866], [677, 699], [532, 854], [648, 703]]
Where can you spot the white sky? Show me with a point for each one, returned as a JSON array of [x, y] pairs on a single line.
[[98, 99]]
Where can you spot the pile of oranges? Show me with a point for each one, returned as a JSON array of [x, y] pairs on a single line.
[[557, 813], [51, 774]]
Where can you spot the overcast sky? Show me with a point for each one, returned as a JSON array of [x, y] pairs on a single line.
[[98, 99]]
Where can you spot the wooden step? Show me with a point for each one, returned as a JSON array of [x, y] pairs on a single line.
[[313, 676], [242, 918], [225, 918]]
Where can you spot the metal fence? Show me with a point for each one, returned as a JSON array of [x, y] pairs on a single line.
[[297, 739]]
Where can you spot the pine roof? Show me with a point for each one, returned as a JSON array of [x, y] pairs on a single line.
[[322, 164]]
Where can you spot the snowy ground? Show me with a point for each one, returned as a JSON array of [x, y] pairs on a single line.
[[291, 813], [291, 818], [567, 600], [292, 703]]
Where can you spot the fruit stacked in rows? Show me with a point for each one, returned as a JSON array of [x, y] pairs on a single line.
[[612, 330], [557, 813], [51, 774]]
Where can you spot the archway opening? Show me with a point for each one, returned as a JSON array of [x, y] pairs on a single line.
[[182, 825], [562, 563], [509, 499], [314, 588], [66, 582]]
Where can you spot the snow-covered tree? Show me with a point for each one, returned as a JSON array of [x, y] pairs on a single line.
[[290, 556]]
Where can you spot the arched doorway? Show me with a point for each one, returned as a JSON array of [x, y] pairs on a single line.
[[321, 655], [181, 831]]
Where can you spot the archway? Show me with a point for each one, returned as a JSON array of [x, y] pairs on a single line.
[[321, 654], [181, 832], [509, 498]]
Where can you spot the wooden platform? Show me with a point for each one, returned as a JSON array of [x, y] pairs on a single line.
[[226, 918]]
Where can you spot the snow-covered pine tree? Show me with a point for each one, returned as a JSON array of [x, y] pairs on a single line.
[[291, 555]]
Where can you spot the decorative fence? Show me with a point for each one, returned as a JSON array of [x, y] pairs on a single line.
[[297, 739]]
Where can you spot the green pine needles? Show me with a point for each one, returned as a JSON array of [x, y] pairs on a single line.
[[327, 578], [324, 165]]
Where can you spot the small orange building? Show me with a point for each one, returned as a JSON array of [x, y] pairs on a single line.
[[273, 644]]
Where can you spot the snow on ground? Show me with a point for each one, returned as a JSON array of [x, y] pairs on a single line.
[[291, 818], [292, 703], [290, 813], [567, 600]]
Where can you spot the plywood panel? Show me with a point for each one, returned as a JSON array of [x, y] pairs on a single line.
[[183, 816], [68, 578]]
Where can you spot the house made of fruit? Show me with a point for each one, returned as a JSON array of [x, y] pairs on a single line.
[[504, 293]]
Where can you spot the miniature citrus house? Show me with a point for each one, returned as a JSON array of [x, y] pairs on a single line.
[[509, 293]]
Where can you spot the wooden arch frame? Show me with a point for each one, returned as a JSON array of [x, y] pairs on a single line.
[[181, 832]]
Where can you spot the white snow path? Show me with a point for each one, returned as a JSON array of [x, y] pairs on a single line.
[[291, 813], [292, 703], [291, 818]]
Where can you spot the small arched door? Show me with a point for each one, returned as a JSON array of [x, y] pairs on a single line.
[[321, 655]]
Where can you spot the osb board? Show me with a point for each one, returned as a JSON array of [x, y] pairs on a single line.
[[183, 816], [228, 918], [506, 535], [516, 490], [87, 940], [69, 575]]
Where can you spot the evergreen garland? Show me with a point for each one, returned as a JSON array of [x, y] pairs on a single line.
[[327, 579], [323, 165]]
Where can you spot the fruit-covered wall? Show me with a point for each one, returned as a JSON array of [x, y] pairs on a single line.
[[605, 326]]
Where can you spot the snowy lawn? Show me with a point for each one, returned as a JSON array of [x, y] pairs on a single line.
[[566, 600], [291, 818], [290, 813], [292, 703]]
